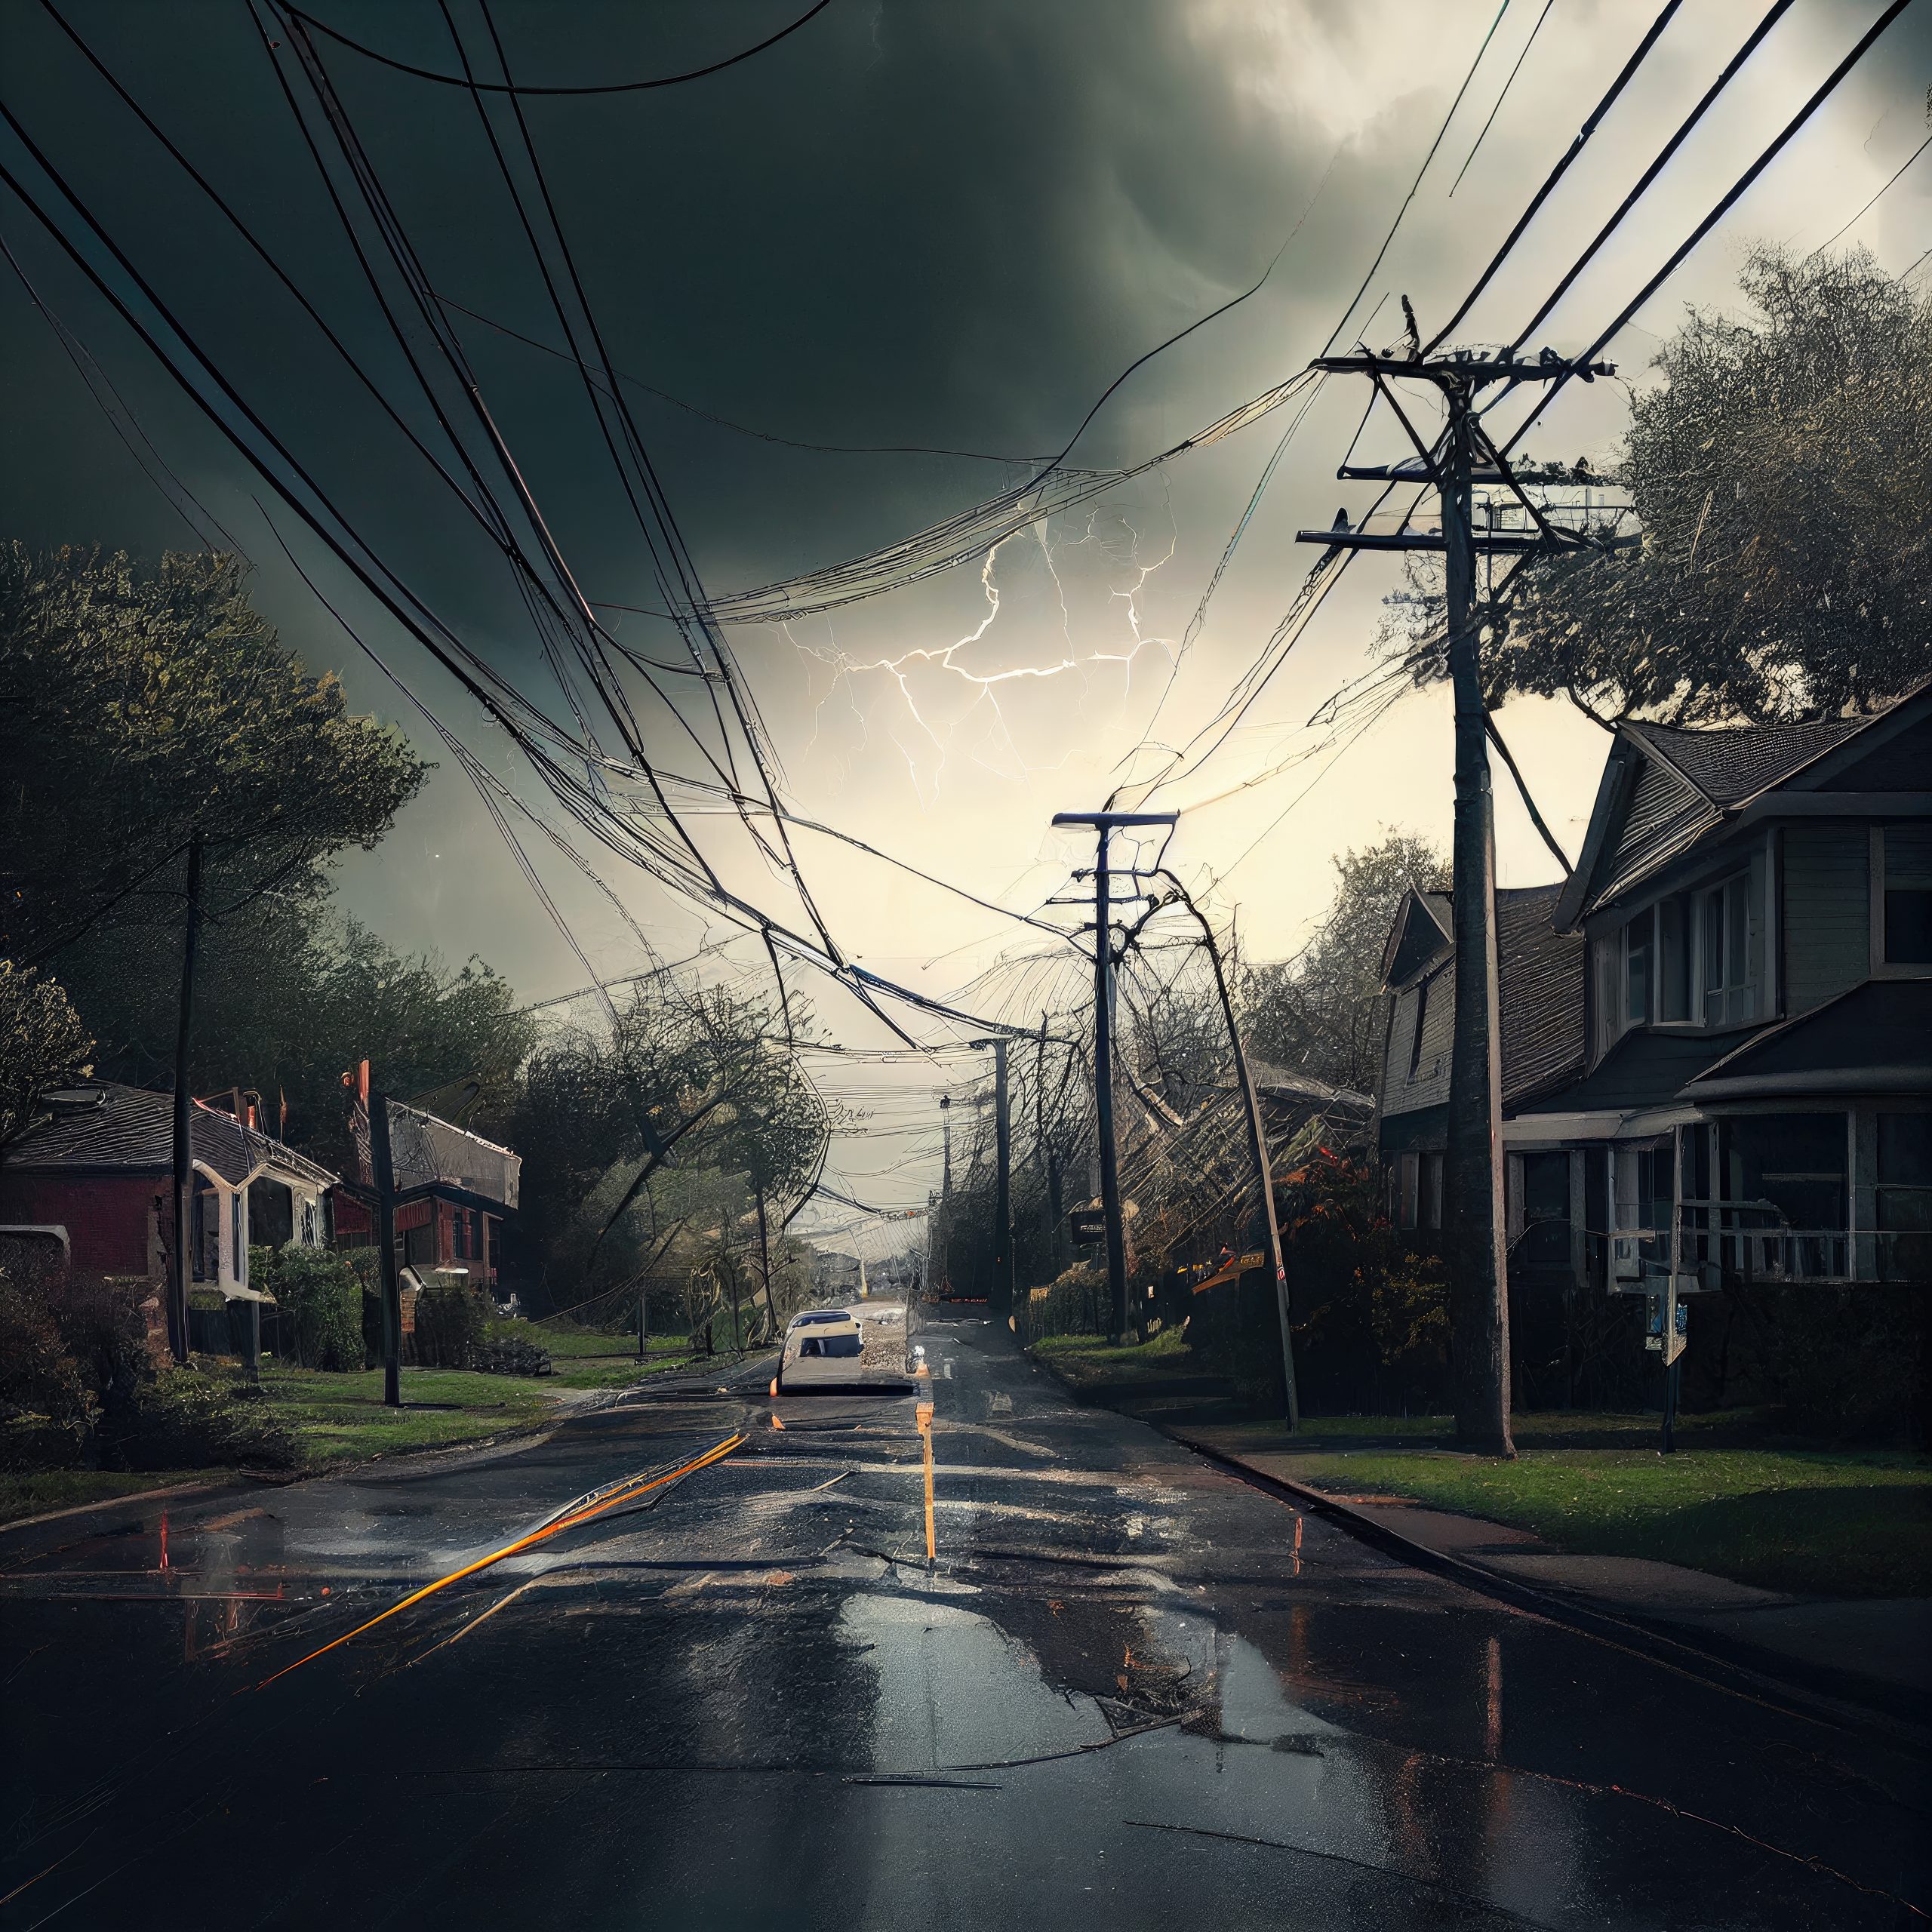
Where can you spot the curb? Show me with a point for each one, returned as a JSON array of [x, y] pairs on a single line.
[[1816, 1691]]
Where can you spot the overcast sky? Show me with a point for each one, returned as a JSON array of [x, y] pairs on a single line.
[[948, 223]]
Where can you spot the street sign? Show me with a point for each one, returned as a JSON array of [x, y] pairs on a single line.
[[1088, 1226], [1667, 1325]]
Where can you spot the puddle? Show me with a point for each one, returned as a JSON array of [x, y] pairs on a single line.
[[953, 1689]]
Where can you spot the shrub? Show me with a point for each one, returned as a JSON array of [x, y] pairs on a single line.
[[71, 1347], [187, 1418], [318, 1318], [449, 1325], [505, 1354]]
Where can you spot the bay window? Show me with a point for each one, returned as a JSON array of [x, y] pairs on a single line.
[[1694, 959]]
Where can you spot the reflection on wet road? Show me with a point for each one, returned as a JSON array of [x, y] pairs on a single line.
[[1129, 1690]]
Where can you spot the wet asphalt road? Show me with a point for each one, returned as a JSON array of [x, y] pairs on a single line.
[[1131, 1692]]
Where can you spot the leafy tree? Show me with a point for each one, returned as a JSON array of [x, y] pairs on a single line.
[[140, 706], [1321, 1012], [1779, 469], [648, 1143], [42, 1045], [287, 1000]]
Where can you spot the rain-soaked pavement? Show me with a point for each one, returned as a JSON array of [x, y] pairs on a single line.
[[1132, 1692]]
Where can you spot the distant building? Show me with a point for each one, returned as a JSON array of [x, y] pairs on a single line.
[[452, 1189], [1717, 1034]]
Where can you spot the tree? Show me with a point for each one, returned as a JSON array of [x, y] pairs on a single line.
[[139, 707], [42, 1045], [1321, 1012], [1779, 468], [646, 1142]]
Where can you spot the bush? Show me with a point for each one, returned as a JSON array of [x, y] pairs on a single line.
[[71, 1348], [189, 1419], [1073, 1304], [502, 1354], [319, 1316], [449, 1325]]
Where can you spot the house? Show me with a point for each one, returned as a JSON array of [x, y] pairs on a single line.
[[98, 1172], [1717, 1034], [453, 1190]]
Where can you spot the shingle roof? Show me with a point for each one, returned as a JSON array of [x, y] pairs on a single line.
[[1731, 765], [1541, 992], [425, 1151], [132, 1128]]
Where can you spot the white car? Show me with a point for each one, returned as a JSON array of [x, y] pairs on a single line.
[[821, 1345]]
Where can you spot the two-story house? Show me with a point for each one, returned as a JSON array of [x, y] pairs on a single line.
[[1748, 1090]]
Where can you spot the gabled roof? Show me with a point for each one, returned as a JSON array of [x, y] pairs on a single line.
[[1541, 990], [1664, 789], [1545, 1038], [105, 1127], [1423, 929], [1729, 766], [425, 1151]]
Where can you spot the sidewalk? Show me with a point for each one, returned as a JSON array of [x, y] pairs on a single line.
[[1876, 1652]]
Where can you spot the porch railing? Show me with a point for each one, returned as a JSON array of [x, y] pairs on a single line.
[[1717, 1243]]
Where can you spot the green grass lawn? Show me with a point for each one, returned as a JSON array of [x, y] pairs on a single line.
[[43, 1491], [1091, 1361], [1733, 1500], [339, 1418], [591, 1359]]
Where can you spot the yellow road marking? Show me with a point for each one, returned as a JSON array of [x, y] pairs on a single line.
[[549, 1530]]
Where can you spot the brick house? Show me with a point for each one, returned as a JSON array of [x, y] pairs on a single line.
[[98, 1174]]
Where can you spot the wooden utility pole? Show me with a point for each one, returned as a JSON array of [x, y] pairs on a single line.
[[381, 1175], [1479, 1299], [180, 1269], [1264, 1172], [1103, 825]]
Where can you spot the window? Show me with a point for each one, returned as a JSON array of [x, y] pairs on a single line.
[[1429, 1206], [1637, 948], [1904, 1197], [1422, 1020], [1676, 941], [1905, 910], [1728, 939]]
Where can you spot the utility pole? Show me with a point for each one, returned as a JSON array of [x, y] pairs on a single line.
[[1002, 1296], [1264, 1172], [1479, 1300], [1103, 825], [179, 1266], [382, 1174], [945, 1242]]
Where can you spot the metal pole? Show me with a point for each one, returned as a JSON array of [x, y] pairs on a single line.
[[381, 1175], [1479, 1298], [180, 1268], [1670, 1386], [1001, 1295]]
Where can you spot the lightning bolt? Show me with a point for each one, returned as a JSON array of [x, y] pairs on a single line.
[[929, 744]]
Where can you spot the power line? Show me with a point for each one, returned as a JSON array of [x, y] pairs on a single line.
[[1500, 98], [604, 87], [1901, 168], [1417, 183], [1555, 176]]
